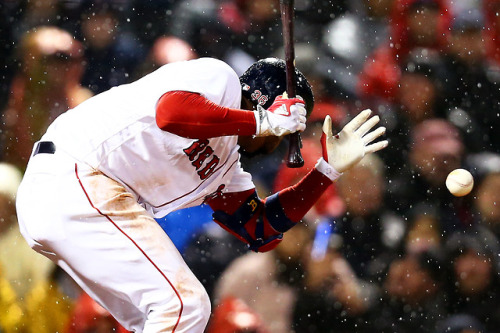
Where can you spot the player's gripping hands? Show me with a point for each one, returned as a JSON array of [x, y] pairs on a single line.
[[284, 116], [347, 148]]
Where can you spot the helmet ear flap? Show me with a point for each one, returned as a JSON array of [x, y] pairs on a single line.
[[264, 80]]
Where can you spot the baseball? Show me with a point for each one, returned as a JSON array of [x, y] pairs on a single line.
[[459, 182]]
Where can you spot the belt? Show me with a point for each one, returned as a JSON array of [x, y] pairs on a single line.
[[44, 147]]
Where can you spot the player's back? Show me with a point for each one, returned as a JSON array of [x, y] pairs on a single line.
[[116, 133], [122, 112]]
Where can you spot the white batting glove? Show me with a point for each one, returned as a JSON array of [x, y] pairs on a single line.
[[283, 117], [346, 149]]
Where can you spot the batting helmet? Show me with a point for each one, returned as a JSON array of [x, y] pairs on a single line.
[[266, 79]]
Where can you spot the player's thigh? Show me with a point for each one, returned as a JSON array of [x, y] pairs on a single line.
[[128, 252], [93, 228]]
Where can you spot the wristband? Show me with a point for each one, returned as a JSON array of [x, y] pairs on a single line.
[[325, 168], [259, 119]]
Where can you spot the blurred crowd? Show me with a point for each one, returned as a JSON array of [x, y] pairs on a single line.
[[386, 249]]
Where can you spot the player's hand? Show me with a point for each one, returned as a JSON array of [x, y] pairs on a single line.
[[344, 150], [284, 116]]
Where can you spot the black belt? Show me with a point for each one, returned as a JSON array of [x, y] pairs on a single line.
[[44, 147]]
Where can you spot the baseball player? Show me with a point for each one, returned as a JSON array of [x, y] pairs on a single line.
[[171, 140]]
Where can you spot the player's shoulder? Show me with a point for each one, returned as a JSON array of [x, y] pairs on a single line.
[[218, 70], [205, 66], [217, 65], [214, 62]]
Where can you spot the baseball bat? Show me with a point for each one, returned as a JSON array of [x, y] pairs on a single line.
[[294, 159]]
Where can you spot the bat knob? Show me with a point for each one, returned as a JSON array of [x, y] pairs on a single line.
[[294, 159]]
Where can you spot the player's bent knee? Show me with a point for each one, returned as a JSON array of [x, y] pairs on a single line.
[[198, 309], [193, 317], [205, 308]]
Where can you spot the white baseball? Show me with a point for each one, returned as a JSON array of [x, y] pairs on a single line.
[[459, 182]]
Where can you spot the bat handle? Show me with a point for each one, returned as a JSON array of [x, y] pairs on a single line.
[[294, 159]]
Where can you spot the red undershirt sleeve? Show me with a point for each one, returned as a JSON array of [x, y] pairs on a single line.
[[193, 116], [298, 199]]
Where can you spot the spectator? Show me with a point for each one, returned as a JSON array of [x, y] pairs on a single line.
[[47, 84], [370, 232], [486, 168], [436, 148], [473, 269], [112, 53], [9, 13], [342, 284], [38, 13], [421, 86], [49, 304], [236, 31], [164, 50], [88, 316], [149, 20], [414, 23], [423, 232], [309, 27], [11, 317], [232, 315], [414, 298], [491, 11], [332, 298], [460, 323], [17, 261], [472, 88], [366, 22], [419, 96], [276, 274]]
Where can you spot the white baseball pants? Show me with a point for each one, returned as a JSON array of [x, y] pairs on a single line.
[[95, 230]]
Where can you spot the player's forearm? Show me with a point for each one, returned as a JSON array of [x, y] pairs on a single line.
[[191, 115], [289, 205], [261, 223]]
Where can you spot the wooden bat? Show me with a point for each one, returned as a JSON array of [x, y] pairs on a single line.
[[294, 159]]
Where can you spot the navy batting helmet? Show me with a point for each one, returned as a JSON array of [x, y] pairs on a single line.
[[266, 79]]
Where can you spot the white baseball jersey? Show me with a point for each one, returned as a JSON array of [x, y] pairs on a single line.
[[116, 133]]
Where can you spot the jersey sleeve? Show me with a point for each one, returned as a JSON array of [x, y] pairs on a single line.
[[193, 116]]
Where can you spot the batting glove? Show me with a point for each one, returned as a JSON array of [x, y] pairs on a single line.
[[284, 116], [346, 149]]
